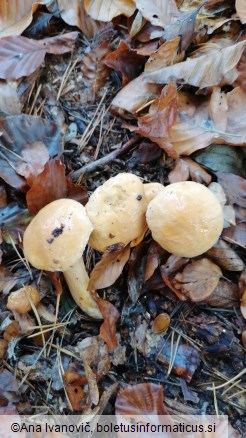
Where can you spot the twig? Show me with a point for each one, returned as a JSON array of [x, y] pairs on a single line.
[[91, 167]]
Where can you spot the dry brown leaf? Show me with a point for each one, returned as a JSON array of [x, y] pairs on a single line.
[[73, 13], [154, 254], [108, 328], [166, 54], [138, 91], [92, 383], [9, 100], [157, 124], [15, 16], [34, 157], [218, 68], [172, 265], [195, 129], [241, 10], [141, 399], [234, 187], [185, 168], [225, 256], [49, 185], [93, 67], [106, 10], [199, 279], [95, 352], [159, 12], [225, 295], [108, 269], [21, 56], [236, 234], [126, 61]]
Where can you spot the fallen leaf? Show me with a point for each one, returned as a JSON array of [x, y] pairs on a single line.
[[234, 187], [94, 70], [244, 338], [34, 156], [222, 158], [183, 27], [144, 154], [95, 352], [126, 61], [136, 271], [225, 256], [141, 399], [154, 254], [138, 92], [20, 56], [18, 131], [172, 265], [241, 10], [108, 269], [105, 10], [225, 295], [162, 115], [184, 363], [14, 221], [16, 16], [9, 388], [92, 383], [40, 25], [236, 234], [185, 168], [9, 100], [108, 328], [198, 279], [215, 69], [74, 13], [76, 395], [49, 185], [158, 12]]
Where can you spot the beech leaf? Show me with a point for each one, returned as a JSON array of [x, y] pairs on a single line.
[[241, 10], [15, 16], [225, 256], [49, 185], [198, 279], [105, 10], [20, 56], [108, 328], [216, 68], [158, 12], [73, 12], [108, 269], [141, 399]]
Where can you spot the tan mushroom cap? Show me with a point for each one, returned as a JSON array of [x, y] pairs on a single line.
[[151, 190], [185, 218], [117, 211], [56, 237]]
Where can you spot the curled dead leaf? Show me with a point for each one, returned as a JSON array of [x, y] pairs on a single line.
[[73, 13], [108, 269], [110, 315], [198, 279], [126, 61], [225, 256]]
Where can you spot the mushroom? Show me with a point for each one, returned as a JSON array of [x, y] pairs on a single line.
[[151, 190], [185, 218], [117, 211], [55, 240]]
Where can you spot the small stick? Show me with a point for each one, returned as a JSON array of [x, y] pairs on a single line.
[[106, 159]]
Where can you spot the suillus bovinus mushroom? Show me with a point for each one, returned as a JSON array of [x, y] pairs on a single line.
[[55, 240], [185, 218], [117, 211]]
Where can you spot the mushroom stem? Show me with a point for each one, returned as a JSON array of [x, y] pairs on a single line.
[[77, 280]]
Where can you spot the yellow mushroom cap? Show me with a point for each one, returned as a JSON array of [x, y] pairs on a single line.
[[151, 190], [56, 237], [185, 218], [117, 211]]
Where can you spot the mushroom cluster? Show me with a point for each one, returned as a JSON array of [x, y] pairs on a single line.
[[185, 218]]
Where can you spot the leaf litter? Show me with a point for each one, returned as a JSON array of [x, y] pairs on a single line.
[[177, 77]]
